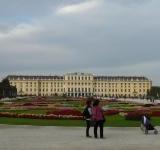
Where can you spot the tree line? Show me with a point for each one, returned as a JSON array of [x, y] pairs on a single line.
[[154, 92], [6, 90]]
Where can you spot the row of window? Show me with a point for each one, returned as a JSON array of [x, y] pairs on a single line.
[[95, 84], [85, 90], [78, 78], [122, 84], [79, 89], [44, 90], [116, 90], [56, 85], [71, 83], [35, 83], [121, 95]]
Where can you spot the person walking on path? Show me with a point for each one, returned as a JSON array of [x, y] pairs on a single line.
[[87, 113], [98, 117]]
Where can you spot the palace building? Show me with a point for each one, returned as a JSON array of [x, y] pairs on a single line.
[[81, 85]]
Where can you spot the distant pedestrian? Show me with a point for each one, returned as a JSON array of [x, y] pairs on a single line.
[[87, 113], [153, 100], [98, 117]]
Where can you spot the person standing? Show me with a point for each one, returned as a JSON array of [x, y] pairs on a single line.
[[98, 117], [87, 113]]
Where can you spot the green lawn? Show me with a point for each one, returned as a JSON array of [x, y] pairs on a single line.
[[41, 122], [119, 121], [111, 121]]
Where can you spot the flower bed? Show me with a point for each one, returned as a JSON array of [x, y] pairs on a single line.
[[137, 115], [72, 112], [111, 112], [155, 113], [39, 116]]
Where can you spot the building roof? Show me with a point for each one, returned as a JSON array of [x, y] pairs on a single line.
[[121, 78], [107, 78], [30, 77], [80, 74]]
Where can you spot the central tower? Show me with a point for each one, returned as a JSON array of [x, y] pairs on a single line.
[[78, 84]]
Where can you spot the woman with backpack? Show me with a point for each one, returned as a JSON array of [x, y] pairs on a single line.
[[98, 117], [87, 113]]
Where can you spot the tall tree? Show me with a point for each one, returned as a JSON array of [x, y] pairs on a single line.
[[154, 92]]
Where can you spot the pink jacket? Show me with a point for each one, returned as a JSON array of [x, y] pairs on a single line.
[[97, 113]]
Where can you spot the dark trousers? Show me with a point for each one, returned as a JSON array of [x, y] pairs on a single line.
[[100, 125], [88, 125]]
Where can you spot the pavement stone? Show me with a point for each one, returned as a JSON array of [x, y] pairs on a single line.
[[23, 137]]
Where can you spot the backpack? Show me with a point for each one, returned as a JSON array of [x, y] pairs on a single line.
[[86, 113]]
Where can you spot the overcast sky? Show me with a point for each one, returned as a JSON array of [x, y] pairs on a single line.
[[111, 37]]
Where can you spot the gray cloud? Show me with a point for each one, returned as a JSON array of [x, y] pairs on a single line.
[[111, 38], [130, 2]]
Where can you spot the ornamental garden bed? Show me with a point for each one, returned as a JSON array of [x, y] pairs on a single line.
[[39, 116], [50, 109]]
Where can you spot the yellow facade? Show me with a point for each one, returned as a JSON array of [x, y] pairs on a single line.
[[81, 84]]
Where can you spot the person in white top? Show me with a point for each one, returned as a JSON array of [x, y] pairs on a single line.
[[87, 113]]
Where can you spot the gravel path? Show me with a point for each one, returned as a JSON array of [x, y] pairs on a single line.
[[67, 138]]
